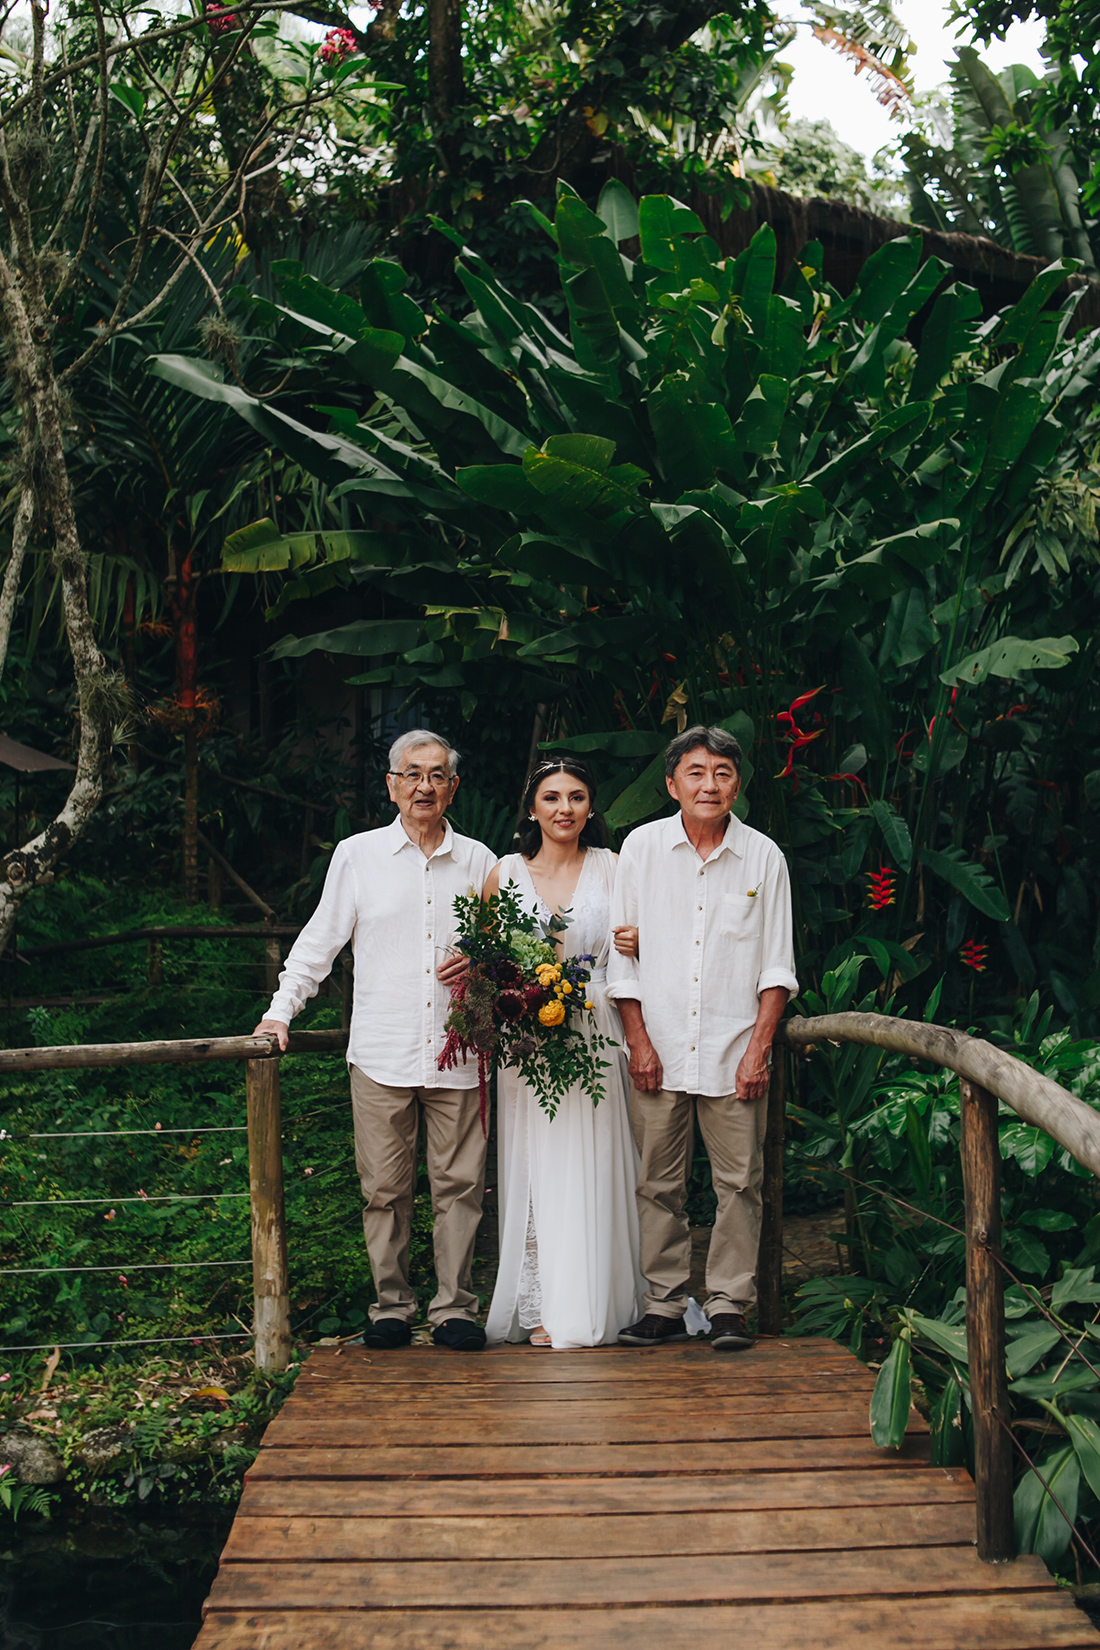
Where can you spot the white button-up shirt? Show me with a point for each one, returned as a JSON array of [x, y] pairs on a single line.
[[396, 906], [712, 936]]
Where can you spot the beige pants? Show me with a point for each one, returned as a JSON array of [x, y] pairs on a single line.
[[386, 1125], [733, 1132]]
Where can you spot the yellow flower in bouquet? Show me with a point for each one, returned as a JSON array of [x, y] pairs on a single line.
[[548, 973], [552, 1014]]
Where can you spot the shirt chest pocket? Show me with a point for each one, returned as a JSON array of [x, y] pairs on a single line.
[[739, 917]]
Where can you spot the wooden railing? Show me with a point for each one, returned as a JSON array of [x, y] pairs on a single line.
[[270, 1277], [988, 1075]]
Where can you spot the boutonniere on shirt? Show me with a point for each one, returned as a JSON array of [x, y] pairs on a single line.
[[752, 893]]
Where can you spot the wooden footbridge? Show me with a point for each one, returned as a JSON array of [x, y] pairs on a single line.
[[530, 1500], [521, 1499]]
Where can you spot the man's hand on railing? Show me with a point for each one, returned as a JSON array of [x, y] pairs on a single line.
[[274, 1028]]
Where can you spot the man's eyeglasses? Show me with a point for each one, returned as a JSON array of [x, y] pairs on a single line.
[[437, 779]]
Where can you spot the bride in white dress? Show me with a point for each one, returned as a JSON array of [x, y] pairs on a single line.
[[568, 1272]]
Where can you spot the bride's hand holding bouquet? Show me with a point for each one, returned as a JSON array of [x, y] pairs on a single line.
[[520, 1003]]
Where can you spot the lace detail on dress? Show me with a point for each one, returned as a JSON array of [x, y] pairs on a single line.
[[590, 913], [529, 1294]]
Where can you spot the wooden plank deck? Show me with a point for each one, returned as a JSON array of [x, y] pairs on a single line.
[[521, 1499]]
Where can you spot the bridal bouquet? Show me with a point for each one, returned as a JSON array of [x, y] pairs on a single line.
[[520, 1003]]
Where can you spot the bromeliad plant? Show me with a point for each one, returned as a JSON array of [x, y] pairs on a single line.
[[519, 1002]]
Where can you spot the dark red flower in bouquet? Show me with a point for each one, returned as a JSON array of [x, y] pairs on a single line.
[[880, 888], [509, 974], [512, 1004], [535, 995], [975, 954]]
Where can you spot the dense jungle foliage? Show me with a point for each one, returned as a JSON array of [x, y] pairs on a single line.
[[499, 446]]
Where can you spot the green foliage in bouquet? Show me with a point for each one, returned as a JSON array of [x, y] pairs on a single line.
[[521, 1004]]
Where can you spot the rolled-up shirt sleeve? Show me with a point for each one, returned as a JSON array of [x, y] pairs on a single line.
[[317, 946], [777, 948], [623, 973]]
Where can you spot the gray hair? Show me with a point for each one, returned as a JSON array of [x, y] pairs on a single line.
[[407, 742], [715, 740]]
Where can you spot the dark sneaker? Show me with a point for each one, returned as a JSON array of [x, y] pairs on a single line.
[[653, 1331], [460, 1335], [388, 1334], [728, 1332]]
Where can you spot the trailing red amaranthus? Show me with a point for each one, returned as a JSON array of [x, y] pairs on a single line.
[[880, 888], [975, 954]]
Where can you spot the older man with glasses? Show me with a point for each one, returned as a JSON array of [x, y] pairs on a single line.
[[391, 892]]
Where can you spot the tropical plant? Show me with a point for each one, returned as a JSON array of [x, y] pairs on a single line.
[[999, 162], [732, 498], [16, 1498], [80, 105]]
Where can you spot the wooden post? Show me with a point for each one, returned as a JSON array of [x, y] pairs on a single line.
[[270, 1282], [273, 963], [985, 1325], [769, 1268]]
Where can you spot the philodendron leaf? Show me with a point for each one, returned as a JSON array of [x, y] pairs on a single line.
[[362, 639], [575, 471], [969, 879], [895, 833], [948, 1439], [261, 548], [892, 1397], [1009, 658], [1085, 1438], [949, 1338], [641, 798], [1040, 1526], [618, 209], [1033, 1342]]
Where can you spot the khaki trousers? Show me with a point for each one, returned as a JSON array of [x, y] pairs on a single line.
[[733, 1132], [386, 1125]]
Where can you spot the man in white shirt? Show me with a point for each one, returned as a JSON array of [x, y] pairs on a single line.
[[700, 1003], [391, 892]]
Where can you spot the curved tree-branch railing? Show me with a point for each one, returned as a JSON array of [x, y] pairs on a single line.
[[987, 1075]]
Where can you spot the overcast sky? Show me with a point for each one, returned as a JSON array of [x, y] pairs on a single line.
[[825, 86]]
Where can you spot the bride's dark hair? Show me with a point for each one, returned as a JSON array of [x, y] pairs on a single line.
[[594, 831]]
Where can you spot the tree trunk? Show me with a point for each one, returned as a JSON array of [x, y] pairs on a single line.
[[101, 695], [187, 672], [445, 80]]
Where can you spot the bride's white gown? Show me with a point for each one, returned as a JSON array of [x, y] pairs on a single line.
[[568, 1219]]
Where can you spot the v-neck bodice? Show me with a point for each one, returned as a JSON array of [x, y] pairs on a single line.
[[588, 917]]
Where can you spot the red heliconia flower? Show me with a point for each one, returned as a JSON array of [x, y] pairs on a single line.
[[228, 23], [880, 888], [337, 45], [975, 954]]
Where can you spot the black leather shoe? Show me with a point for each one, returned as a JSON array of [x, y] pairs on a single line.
[[653, 1331], [728, 1332], [388, 1334], [460, 1335]]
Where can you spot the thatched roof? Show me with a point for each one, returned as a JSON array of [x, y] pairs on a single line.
[[849, 235]]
